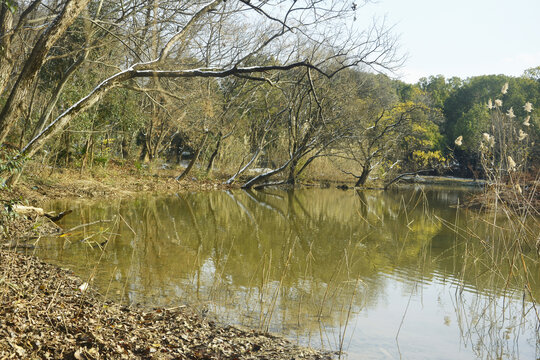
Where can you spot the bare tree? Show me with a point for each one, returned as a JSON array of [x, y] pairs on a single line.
[[310, 126], [19, 94], [380, 124], [155, 33]]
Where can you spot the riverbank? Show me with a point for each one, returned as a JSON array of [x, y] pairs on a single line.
[[126, 180], [48, 313], [52, 315]]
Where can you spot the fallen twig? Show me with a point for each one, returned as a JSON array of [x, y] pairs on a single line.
[[85, 225]]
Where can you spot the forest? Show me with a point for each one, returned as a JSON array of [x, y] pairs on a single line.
[[134, 133], [249, 92]]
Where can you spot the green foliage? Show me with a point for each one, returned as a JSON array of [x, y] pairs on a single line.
[[532, 73], [467, 115], [395, 128], [101, 160], [472, 123], [11, 5], [141, 167], [437, 88], [426, 159], [10, 164]]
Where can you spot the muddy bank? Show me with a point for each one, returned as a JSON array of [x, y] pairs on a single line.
[[48, 313], [37, 186]]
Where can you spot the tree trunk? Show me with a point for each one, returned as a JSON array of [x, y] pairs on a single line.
[[245, 167], [135, 72], [292, 172], [15, 103], [366, 169], [308, 161], [193, 160], [6, 59], [262, 177], [148, 150], [46, 115], [87, 150], [213, 156], [405, 174], [143, 142], [67, 147], [7, 34], [125, 148]]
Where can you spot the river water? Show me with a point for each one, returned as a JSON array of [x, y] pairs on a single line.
[[381, 275]]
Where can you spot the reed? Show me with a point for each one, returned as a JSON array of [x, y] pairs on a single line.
[[502, 241]]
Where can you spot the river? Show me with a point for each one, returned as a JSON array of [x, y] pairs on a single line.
[[400, 274]]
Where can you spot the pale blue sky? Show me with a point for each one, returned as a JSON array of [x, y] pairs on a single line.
[[463, 37]]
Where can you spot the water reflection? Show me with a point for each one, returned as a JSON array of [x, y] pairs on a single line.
[[338, 269]]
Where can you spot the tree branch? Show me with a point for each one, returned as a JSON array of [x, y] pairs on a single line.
[[405, 174], [114, 81]]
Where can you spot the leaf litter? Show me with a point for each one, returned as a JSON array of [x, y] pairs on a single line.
[[49, 313]]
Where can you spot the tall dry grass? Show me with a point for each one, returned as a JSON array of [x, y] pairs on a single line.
[[508, 228]]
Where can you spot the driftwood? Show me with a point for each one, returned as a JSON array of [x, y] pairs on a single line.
[[55, 218], [35, 211], [405, 174], [27, 210]]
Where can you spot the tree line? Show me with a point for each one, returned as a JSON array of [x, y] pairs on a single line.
[[292, 88]]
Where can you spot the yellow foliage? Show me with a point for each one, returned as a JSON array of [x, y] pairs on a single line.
[[425, 158], [408, 106]]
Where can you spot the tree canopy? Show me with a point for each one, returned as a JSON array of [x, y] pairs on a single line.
[[281, 85]]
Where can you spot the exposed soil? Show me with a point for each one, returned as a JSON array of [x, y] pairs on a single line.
[[46, 313]]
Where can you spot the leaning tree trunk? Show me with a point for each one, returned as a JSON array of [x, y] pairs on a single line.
[[245, 167], [46, 115], [213, 156], [366, 169], [193, 160], [403, 175], [262, 177]]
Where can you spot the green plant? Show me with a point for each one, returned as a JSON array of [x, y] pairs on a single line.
[[101, 160], [10, 164], [11, 5]]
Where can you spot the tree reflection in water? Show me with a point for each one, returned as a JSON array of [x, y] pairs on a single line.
[[332, 268]]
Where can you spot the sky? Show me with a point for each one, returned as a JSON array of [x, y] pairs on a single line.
[[463, 38]]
